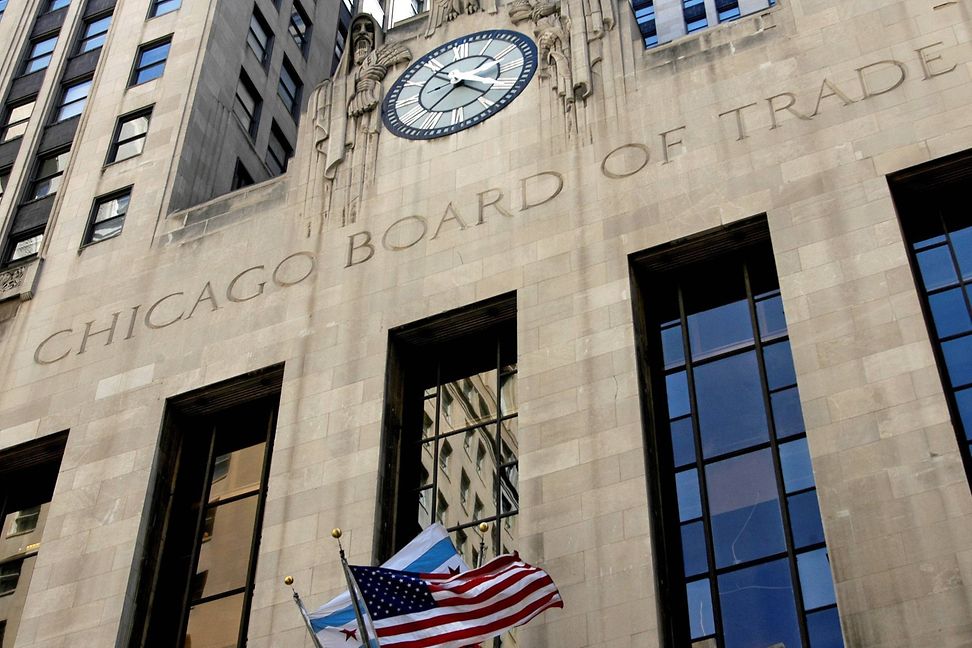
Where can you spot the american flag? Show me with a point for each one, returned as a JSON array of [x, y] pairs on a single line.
[[414, 610]]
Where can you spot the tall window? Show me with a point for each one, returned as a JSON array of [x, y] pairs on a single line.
[[17, 118], [94, 34], [73, 99], [259, 37], [741, 532], [160, 7], [246, 105], [130, 134], [4, 179], [108, 216], [279, 151], [341, 36], [939, 237], [241, 177], [24, 246], [28, 473], [289, 87], [645, 17], [727, 9], [451, 387], [299, 28], [39, 55], [54, 5], [694, 12], [150, 62], [197, 575], [3, 7], [48, 174]]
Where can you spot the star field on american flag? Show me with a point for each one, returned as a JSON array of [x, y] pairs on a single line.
[[392, 593]]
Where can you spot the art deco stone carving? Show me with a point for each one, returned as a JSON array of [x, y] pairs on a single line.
[[20, 282], [568, 35], [346, 124], [443, 11], [12, 279]]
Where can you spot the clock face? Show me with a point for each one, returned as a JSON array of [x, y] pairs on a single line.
[[459, 84]]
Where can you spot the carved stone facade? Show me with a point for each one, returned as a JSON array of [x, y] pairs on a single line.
[[798, 115]]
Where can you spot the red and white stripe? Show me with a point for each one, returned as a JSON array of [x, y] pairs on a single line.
[[473, 606]]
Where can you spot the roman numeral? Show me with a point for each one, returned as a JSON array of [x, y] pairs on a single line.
[[413, 114], [433, 65], [460, 51], [432, 120], [486, 47], [414, 84], [457, 115], [401, 103], [503, 84], [509, 65], [486, 102]]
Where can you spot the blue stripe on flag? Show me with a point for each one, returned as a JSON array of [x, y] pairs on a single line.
[[432, 559]]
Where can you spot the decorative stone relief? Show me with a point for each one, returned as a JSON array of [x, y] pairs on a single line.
[[346, 125], [443, 11], [568, 35], [20, 281]]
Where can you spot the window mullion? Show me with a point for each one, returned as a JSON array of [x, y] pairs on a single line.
[[703, 491], [777, 464]]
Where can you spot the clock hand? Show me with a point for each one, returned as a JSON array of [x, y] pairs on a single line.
[[482, 68], [469, 76]]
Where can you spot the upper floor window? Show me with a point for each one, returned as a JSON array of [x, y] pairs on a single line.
[[3, 7], [130, 134], [259, 37], [645, 17], [246, 105], [94, 34], [289, 87], [477, 373], [24, 245], [150, 61], [108, 216], [54, 5], [694, 12], [727, 9], [299, 28], [241, 177], [745, 559], [279, 151], [73, 100], [48, 174], [39, 55], [4, 179], [10, 576], [17, 118], [160, 7], [24, 521]]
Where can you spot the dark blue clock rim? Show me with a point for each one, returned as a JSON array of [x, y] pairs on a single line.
[[521, 40]]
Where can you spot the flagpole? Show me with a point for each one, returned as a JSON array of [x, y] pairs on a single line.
[[352, 590], [289, 580], [483, 528]]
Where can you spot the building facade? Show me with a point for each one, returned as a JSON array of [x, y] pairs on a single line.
[[680, 310]]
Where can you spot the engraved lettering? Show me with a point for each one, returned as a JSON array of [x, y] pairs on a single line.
[[495, 203], [774, 109], [206, 294], [40, 348], [666, 145], [148, 314], [397, 248], [445, 217], [926, 62], [868, 91], [638, 160], [366, 243], [526, 203], [828, 89], [740, 123], [293, 282], [88, 333], [231, 288], [131, 323]]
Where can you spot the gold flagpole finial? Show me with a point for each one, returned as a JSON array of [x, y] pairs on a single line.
[[336, 533], [483, 527], [289, 580]]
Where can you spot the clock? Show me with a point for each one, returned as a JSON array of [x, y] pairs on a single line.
[[460, 84]]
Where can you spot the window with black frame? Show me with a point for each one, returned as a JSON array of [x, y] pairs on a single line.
[[197, 579], [458, 451], [938, 233], [94, 33], [740, 527]]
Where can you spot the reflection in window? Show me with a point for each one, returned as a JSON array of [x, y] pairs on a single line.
[[73, 100], [39, 56], [25, 245], [94, 34], [940, 240], [130, 135], [161, 7], [150, 62], [10, 576], [48, 175], [25, 521], [299, 28], [259, 37], [752, 566], [108, 216], [17, 118], [246, 105]]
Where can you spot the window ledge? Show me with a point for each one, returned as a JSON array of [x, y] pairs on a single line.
[[727, 34], [20, 280]]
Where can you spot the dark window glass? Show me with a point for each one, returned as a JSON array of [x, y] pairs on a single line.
[[73, 100], [25, 521], [694, 12], [279, 151], [108, 216], [247, 105], [160, 7], [939, 233], [54, 5], [241, 177], [259, 37], [299, 28], [94, 34], [150, 62], [645, 17], [341, 36], [39, 56], [215, 479], [130, 136], [289, 87], [751, 565], [48, 174], [17, 118], [9, 576], [727, 9], [4, 179], [460, 394]]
